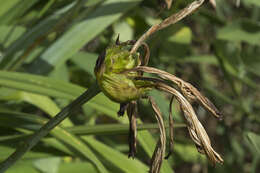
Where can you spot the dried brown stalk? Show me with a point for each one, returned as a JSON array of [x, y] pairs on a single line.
[[170, 130], [195, 128], [189, 91], [159, 151], [213, 3], [168, 3], [168, 21], [132, 115]]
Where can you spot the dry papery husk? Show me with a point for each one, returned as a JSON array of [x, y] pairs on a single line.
[[195, 128], [189, 91]]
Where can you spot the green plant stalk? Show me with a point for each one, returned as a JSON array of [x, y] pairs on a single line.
[[44, 130]]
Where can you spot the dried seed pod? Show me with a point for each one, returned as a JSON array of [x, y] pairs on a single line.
[[119, 75], [120, 87]]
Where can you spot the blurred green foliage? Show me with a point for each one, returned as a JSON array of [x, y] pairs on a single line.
[[58, 41]]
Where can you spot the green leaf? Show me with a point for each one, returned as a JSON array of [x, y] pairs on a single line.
[[74, 39], [252, 2], [15, 10], [55, 88], [7, 5], [22, 167], [86, 61], [182, 36], [189, 153], [47, 165], [49, 87], [77, 167], [45, 8], [59, 133], [39, 84], [116, 158], [124, 30], [105, 129], [40, 101], [6, 151], [161, 101], [17, 48], [199, 59], [238, 31], [9, 34], [255, 140]]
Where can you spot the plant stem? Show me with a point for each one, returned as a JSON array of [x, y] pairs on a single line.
[[168, 21], [52, 123]]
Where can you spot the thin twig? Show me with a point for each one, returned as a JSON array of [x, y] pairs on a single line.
[[44, 130], [168, 21]]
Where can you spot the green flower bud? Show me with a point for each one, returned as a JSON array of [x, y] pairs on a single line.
[[119, 87]]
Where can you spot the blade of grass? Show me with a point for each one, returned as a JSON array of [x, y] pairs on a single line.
[[18, 47], [6, 151], [31, 142], [77, 167], [16, 10], [45, 8], [40, 101], [12, 119], [10, 33], [74, 39], [54, 88], [100, 102], [86, 61], [116, 158], [20, 120]]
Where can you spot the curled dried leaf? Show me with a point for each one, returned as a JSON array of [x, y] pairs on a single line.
[[145, 60], [189, 91], [196, 130], [159, 151]]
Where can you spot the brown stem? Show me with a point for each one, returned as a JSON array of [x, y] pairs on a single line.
[[171, 130], [159, 151], [132, 115], [168, 21]]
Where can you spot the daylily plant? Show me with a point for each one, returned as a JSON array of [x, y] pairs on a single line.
[[120, 77]]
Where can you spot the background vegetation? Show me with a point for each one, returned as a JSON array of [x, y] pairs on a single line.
[[48, 51]]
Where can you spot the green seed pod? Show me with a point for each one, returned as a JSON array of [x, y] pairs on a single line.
[[119, 87]]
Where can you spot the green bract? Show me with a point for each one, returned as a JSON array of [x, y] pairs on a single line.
[[120, 87]]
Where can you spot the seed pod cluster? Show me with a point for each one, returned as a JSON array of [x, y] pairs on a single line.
[[119, 74], [120, 87]]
